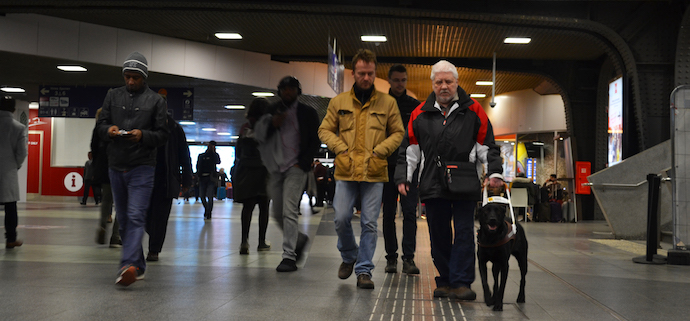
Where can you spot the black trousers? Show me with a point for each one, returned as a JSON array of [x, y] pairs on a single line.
[[247, 209], [320, 193], [409, 211], [157, 218], [11, 221], [88, 184]]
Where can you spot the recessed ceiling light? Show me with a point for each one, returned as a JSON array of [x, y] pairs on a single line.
[[209, 129], [484, 83], [234, 137], [374, 38], [13, 89], [191, 140], [263, 94], [478, 95], [71, 68], [223, 134], [516, 40], [234, 107], [33, 105], [186, 122], [228, 35]]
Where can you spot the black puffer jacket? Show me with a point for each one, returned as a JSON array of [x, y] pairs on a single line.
[[453, 138], [144, 110]]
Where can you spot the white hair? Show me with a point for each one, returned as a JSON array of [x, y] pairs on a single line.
[[444, 66]]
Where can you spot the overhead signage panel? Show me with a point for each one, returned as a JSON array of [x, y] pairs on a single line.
[[83, 102]]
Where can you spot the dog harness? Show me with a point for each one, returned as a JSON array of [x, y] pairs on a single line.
[[502, 200]]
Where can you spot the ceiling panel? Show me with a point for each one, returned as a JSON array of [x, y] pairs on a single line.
[[301, 32]]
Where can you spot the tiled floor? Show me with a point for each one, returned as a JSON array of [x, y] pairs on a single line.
[[576, 272]]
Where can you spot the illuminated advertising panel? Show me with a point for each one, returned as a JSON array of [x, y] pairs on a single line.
[[615, 128]]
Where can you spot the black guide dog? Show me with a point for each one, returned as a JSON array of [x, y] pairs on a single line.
[[496, 243]]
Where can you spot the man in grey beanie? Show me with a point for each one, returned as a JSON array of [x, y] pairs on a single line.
[[133, 119]]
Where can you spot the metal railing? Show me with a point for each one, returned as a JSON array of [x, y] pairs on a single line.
[[664, 179]]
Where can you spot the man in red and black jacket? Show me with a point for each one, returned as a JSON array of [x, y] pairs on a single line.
[[449, 127]]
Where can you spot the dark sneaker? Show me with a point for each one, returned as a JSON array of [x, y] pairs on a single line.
[[302, 240], [364, 281], [140, 274], [463, 293], [264, 246], [244, 248], [442, 292], [287, 265], [100, 236], [127, 275], [345, 270], [116, 244], [11, 245], [152, 257], [409, 267], [392, 265]]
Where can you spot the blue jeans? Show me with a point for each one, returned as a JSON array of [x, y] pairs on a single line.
[[344, 201], [132, 194], [453, 254]]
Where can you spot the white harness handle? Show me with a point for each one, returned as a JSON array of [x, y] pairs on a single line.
[[502, 200]]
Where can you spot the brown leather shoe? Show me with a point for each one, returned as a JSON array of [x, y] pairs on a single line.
[[463, 293], [442, 292], [11, 245], [364, 281], [345, 270]]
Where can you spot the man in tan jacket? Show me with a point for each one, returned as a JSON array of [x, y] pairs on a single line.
[[362, 127]]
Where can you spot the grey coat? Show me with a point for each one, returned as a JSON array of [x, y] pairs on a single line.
[[13, 151]]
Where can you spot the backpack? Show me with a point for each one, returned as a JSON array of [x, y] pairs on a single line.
[[206, 164]]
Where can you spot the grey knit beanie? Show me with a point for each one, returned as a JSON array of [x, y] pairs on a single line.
[[136, 62]]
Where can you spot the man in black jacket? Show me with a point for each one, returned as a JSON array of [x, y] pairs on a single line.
[[133, 120], [397, 78], [208, 177], [173, 169], [449, 128], [288, 140]]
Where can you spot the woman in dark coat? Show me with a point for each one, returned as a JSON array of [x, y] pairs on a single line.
[[250, 177]]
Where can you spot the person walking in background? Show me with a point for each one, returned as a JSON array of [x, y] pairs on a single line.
[[195, 181], [13, 151], [397, 78], [288, 141], [250, 177], [133, 119], [449, 131], [321, 176], [99, 149], [208, 177], [362, 127], [173, 170], [89, 183], [222, 177]]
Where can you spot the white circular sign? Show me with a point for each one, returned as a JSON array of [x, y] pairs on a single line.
[[73, 181]]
